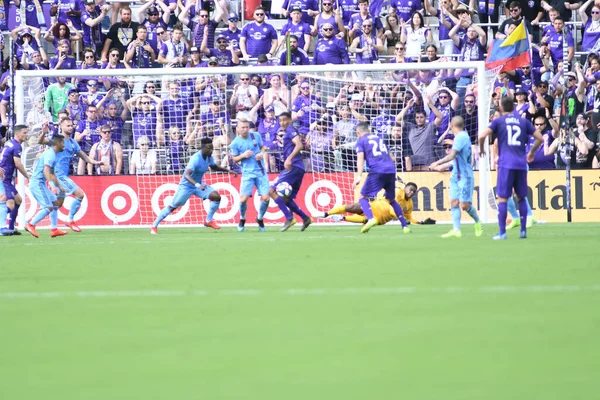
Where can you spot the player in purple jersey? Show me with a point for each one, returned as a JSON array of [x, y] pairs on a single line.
[[10, 163], [371, 149], [293, 173], [513, 136]]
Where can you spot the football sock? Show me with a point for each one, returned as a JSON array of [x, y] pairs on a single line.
[[40, 216], [502, 211], [337, 210], [75, 205], [473, 213], [283, 207], [243, 208], [529, 211], [262, 209], [54, 218], [512, 208], [13, 216], [399, 213], [214, 206], [523, 213], [162, 215], [359, 219], [295, 209], [3, 214], [455, 211], [366, 207]]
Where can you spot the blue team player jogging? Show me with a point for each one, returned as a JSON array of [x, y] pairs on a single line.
[[371, 149], [248, 149], [191, 184]]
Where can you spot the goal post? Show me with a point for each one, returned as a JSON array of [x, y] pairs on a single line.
[[135, 199]]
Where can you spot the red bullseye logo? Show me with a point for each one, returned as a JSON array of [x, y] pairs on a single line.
[[119, 202], [322, 196], [163, 196], [230, 201], [68, 203]]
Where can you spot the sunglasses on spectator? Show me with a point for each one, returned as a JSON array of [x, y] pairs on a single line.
[[92, 84], [145, 102], [514, 9], [469, 101], [144, 144], [327, 29], [160, 33], [89, 56], [153, 15], [244, 79], [107, 132], [367, 26], [400, 48], [443, 97], [572, 79], [326, 4], [115, 55], [221, 41], [259, 14], [447, 147], [595, 12], [150, 87], [203, 15], [279, 136]]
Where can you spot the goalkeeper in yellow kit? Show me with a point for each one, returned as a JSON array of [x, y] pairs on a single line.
[[382, 210]]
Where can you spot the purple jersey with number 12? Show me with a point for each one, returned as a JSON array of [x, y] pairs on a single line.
[[513, 135], [376, 154]]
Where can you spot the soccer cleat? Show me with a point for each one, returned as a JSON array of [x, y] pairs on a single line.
[[153, 230], [406, 229], [523, 235], [500, 236], [212, 224], [288, 224], [513, 224], [478, 229], [16, 233], [452, 233], [31, 229], [261, 225], [305, 223], [367, 227], [57, 232], [73, 226], [6, 232], [530, 221], [241, 225]]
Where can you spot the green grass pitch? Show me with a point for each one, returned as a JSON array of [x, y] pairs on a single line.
[[324, 314]]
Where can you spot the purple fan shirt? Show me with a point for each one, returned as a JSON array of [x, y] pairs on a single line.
[[540, 160], [555, 44], [298, 30], [258, 38], [304, 5], [331, 51], [513, 136], [406, 8], [376, 154], [178, 111]]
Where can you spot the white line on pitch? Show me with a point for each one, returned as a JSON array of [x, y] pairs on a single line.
[[308, 291]]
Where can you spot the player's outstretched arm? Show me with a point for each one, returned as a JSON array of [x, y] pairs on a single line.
[[221, 169], [482, 138]]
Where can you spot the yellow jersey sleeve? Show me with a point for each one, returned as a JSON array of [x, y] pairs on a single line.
[[406, 205]]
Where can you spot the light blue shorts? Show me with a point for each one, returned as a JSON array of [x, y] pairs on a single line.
[[184, 192], [67, 184], [42, 194], [462, 189], [248, 183]]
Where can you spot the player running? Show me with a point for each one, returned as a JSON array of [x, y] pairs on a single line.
[[513, 135], [292, 174], [42, 173], [462, 181], [63, 163], [382, 175], [10, 162], [382, 210], [247, 148], [191, 184]]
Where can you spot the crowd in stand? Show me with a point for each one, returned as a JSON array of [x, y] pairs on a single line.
[[150, 125]]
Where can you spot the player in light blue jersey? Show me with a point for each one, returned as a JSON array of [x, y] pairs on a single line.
[[247, 148], [63, 163], [462, 181], [42, 173], [191, 184]]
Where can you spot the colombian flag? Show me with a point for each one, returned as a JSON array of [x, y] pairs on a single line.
[[512, 52]]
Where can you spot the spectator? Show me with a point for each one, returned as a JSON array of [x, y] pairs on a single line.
[[232, 33], [447, 23], [586, 138], [37, 117], [91, 19], [447, 103], [143, 160], [39, 61], [344, 138], [57, 96], [543, 159], [421, 135], [67, 10], [73, 107], [87, 132], [300, 29], [554, 39], [276, 95], [201, 25], [348, 8], [120, 34], [306, 108], [382, 123], [223, 52], [329, 49], [308, 9], [175, 151], [415, 36], [244, 97], [140, 54], [147, 121], [107, 151], [89, 62], [392, 33], [195, 60], [297, 55], [542, 98], [62, 60], [405, 9], [25, 44], [177, 106], [591, 26], [216, 122], [153, 22], [358, 18], [268, 126], [173, 53], [366, 46], [59, 32], [115, 121], [329, 16], [575, 94], [515, 18], [258, 37], [91, 96], [33, 12], [399, 148], [319, 141]]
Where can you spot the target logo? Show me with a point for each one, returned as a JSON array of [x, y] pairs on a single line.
[[119, 203], [230, 201], [68, 203], [158, 205], [321, 196]]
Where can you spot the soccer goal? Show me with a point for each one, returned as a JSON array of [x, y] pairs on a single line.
[[159, 116]]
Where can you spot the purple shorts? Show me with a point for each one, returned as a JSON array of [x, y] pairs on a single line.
[[375, 182], [509, 179], [10, 190], [293, 177]]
